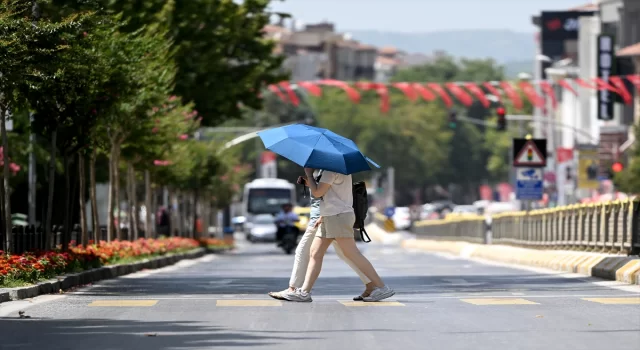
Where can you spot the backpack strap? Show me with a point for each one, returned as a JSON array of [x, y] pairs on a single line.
[[317, 179], [363, 233]]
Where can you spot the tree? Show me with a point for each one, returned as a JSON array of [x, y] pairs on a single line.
[[35, 69], [221, 55], [628, 180], [143, 67]]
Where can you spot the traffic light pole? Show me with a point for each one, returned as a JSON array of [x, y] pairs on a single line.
[[558, 125]]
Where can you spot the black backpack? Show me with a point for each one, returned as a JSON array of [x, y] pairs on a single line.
[[360, 206]]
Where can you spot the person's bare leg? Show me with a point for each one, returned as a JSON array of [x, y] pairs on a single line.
[[351, 251], [365, 280], [318, 249]]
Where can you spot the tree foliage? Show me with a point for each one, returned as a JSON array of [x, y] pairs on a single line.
[[222, 57]]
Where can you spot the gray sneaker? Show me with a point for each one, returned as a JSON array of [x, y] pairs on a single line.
[[380, 294], [299, 295]]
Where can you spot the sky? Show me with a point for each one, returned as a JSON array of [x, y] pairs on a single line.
[[423, 15]]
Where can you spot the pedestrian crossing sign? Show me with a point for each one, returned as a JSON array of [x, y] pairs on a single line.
[[529, 153]]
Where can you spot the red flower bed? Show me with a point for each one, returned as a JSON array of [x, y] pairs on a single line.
[[31, 267]]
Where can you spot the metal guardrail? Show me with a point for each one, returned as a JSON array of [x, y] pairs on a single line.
[[611, 227], [468, 228]]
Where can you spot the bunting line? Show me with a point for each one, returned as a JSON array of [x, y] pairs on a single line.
[[432, 91]]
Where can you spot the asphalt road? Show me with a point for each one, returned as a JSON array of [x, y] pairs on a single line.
[[220, 302]]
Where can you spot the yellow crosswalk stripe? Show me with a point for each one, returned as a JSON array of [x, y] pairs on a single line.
[[123, 303], [240, 302], [499, 301], [379, 303], [619, 301]]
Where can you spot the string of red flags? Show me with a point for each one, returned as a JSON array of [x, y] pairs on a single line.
[[464, 92]]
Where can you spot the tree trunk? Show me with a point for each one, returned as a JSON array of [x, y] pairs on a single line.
[[134, 202], [196, 234], [82, 199], [95, 219], [48, 225], [67, 202], [148, 222], [6, 243], [116, 190], [5, 183], [110, 197]]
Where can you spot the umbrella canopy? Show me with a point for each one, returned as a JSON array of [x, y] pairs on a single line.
[[317, 148]]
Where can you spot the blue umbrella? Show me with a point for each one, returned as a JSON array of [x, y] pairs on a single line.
[[316, 148]]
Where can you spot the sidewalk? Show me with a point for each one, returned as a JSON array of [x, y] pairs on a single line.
[[619, 268]]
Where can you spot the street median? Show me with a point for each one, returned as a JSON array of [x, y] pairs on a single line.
[[600, 240], [612, 267]]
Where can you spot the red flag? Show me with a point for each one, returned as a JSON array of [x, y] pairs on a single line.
[[443, 94], [512, 94], [548, 90], [351, 92], [532, 95], [567, 86], [622, 89], [635, 80], [382, 91], [460, 94], [407, 90], [292, 94], [477, 92], [492, 89], [584, 84], [426, 94], [277, 91], [313, 89]]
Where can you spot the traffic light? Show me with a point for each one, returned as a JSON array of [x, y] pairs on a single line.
[[617, 167], [502, 118], [453, 119]]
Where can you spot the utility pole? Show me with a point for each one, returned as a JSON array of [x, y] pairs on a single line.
[[391, 200]]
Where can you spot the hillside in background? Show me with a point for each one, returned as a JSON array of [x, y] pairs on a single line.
[[512, 49]]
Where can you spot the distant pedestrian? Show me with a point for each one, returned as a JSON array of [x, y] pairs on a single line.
[[163, 221]]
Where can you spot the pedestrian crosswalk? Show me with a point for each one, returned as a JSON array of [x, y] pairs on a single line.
[[247, 302]]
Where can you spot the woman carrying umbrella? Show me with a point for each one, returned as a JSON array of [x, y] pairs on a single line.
[[339, 157]]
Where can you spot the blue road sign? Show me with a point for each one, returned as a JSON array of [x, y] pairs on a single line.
[[529, 183], [389, 211]]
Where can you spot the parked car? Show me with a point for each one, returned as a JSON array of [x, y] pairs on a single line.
[[304, 213], [402, 218], [262, 228], [465, 209]]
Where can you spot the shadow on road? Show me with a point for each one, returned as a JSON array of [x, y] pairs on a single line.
[[405, 285], [105, 334]]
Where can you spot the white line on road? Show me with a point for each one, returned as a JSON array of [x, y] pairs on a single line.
[[408, 298]]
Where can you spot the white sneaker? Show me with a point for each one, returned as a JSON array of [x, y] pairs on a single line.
[[278, 295], [299, 295], [380, 294]]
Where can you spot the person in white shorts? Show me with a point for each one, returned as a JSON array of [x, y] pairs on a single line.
[[337, 219], [301, 261]]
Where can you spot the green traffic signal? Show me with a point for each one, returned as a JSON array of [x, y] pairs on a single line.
[[453, 125]]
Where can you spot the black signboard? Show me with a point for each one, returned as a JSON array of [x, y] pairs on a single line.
[[606, 67], [561, 25], [529, 153]]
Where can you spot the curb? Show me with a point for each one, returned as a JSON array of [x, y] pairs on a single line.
[[624, 269], [102, 273]]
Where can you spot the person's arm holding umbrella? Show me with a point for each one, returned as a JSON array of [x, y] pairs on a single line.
[[317, 189]]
